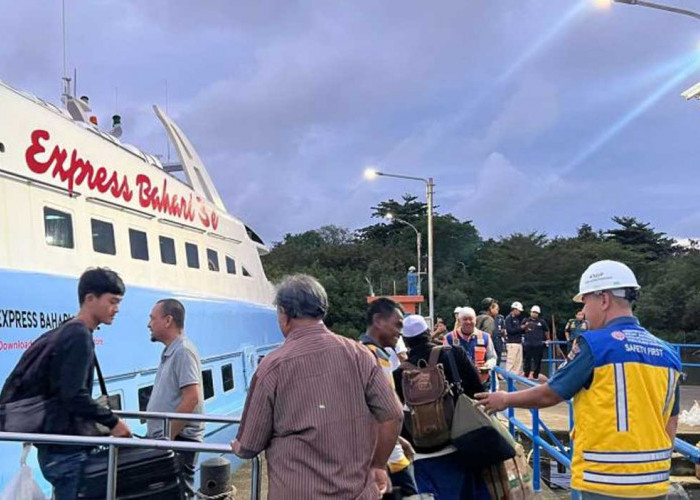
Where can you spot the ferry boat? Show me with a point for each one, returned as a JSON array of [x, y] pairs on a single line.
[[73, 196]]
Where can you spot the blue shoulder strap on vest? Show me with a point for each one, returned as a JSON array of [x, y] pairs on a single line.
[[628, 342]]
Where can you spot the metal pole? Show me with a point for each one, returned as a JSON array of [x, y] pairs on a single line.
[[255, 479], [431, 306], [511, 410], [112, 472], [420, 291], [166, 428], [536, 466], [667, 8]]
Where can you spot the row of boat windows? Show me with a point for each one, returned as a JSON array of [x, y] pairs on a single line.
[[228, 384], [58, 228]]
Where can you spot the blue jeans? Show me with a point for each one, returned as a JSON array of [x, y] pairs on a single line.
[[587, 495], [64, 471]]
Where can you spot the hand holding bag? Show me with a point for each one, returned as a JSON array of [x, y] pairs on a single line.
[[479, 438]]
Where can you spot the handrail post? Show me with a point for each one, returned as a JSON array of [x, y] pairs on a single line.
[[166, 428], [511, 410], [536, 467], [255, 479], [112, 472], [552, 364]]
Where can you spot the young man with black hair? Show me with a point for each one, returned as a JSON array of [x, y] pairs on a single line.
[[384, 325], [71, 373], [178, 384]]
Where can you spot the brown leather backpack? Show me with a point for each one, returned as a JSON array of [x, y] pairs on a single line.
[[427, 394]]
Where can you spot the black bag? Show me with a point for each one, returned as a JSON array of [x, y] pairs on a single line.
[[23, 398], [141, 474], [480, 439]]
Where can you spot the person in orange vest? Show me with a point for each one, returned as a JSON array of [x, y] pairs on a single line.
[[476, 343]]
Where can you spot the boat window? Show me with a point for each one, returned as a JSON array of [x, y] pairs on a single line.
[[230, 265], [103, 237], [139, 244], [167, 250], [144, 397], [192, 255], [213, 259], [245, 271], [208, 384], [58, 228], [227, 377]]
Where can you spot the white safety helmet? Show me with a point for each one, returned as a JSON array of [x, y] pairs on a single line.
[[457, 309], [535, 309], [412, 268], [606, 275], [517, 305]]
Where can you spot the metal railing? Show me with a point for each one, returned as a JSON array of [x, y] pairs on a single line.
[[553, 362], [114, 443], [555, 448]]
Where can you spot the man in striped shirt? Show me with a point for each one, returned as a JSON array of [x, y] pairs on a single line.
[[320, 407], [384, 325]]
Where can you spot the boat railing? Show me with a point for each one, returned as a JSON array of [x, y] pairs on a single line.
[[552, 446], [115, 443]]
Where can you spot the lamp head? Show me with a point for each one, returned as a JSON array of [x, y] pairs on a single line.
[[371, 173], [389, 215]]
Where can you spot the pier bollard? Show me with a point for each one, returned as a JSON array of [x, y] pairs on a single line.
[[215, 478]]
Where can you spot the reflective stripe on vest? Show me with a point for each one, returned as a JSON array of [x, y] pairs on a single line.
[[626, 479], [621, 398], [612, 457]]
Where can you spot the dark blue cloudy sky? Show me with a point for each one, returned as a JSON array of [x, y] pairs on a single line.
[[530, 114]]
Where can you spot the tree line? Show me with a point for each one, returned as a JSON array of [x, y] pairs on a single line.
[[532, 268]]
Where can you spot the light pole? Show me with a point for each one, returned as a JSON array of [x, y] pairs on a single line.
[[370, 174], [391, 216], [667, 8]]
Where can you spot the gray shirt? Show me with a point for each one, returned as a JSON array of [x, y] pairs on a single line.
[[179, 367]]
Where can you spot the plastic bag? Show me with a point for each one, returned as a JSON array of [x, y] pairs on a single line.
[[23, 486], [690, 417]]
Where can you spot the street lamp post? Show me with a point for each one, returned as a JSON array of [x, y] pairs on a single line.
[[371, 173], [667, 8], [391, 216]]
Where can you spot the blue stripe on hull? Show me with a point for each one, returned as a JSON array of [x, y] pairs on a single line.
[[224, 331]]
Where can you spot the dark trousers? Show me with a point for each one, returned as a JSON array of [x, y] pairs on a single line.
[[64, 471], [447, 479], [403, 484], [498, 347], [532, 360], [187, 460]]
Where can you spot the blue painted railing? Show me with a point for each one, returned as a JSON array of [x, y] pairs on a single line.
[[553, 361], [557, 450]]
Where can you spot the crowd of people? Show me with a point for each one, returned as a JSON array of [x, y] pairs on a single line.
[[337, 418]]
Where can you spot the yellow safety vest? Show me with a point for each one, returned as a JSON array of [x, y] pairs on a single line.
[[621, 447]]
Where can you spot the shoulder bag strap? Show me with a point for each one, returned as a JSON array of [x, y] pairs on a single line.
[[457, 380], [103, 386], [434, 355]]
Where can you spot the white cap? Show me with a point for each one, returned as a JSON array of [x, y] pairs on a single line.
[[517, 305], [414, 325], [412, 268], [535, 309], [466, 312], [605, 275], [457, 309]]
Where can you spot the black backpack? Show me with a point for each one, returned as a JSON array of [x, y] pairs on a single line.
[[23, 399]]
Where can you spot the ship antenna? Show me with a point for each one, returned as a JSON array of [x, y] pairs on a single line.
[[66, 78], [167, 139]]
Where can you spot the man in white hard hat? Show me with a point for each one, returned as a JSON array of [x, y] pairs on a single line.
[[458, 324], [536, 333], [624, 383], [514, 338]]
